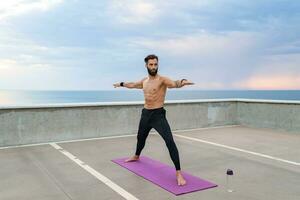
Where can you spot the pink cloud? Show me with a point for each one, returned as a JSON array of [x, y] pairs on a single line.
[[271, 82]]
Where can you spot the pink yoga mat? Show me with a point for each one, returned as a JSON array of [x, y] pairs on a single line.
[[164, 175]]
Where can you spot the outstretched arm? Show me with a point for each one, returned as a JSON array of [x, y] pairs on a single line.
[[130, 85], [176, 84]]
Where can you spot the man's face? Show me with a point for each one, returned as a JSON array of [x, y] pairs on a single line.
[[152, 67]]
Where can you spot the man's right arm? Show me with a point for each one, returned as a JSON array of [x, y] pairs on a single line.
[[131, 85]]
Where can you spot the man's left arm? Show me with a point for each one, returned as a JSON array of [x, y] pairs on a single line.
[[176, 84]]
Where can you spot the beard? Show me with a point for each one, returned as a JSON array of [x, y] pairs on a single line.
[[152, 73]]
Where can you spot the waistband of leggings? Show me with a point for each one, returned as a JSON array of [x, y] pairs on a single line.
[[161, 108]]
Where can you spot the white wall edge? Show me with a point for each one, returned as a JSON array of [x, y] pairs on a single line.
[[122, 103]]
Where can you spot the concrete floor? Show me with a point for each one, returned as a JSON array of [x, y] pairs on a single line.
[[43, 172]]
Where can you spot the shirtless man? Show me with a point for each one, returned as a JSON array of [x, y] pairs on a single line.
[[153, 113]]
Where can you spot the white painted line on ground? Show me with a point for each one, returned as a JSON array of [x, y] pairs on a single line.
[[206, 128], [111, 137], [96, 138], [24, 145], [131, 135], [95, 173], [238, 149], [67, 141]]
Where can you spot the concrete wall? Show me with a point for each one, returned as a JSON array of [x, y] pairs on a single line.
[[53, 122], [56, 122], [201, 114], [278, 115]]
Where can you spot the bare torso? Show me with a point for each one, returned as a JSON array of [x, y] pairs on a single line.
[[154, 92]]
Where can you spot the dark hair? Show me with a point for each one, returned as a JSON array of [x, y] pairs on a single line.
[[151, 56]]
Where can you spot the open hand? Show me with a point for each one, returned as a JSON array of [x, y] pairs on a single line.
[[186, 82], [116, 85]]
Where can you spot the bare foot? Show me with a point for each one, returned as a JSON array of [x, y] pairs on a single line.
[[132, 159], [180, 179]]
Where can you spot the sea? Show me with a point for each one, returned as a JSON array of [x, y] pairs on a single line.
[[30, 97]]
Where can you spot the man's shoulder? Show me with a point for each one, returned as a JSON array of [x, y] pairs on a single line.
[[143, 79], [163, 77]]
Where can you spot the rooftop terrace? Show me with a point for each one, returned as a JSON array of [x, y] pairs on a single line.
[[65, 152]]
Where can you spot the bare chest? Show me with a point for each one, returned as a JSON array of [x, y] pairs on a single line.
[[152, 86]]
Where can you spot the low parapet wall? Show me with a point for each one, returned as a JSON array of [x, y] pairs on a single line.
[[57, 122], [277, 115]]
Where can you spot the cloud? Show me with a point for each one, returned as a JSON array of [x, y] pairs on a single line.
[[26, 64], [274, 72], [132, 11], [18, 7], [290, 47], [230, 60], [12, 67], [271, 82], [203, 43], [205, 55], [13, 75], [207, 85], [216, 44]]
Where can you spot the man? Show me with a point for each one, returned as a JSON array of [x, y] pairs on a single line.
[[153, 113]]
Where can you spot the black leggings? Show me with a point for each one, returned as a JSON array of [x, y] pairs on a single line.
[[156, 118]]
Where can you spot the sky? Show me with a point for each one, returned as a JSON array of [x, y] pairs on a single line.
[[89, 45]]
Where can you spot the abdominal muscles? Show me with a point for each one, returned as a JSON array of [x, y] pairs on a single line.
[[154, 99]]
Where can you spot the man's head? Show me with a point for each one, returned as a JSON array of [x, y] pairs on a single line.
[[152, 64]]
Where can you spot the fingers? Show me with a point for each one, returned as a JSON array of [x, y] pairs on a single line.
[[115, 85], [189, 83]]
